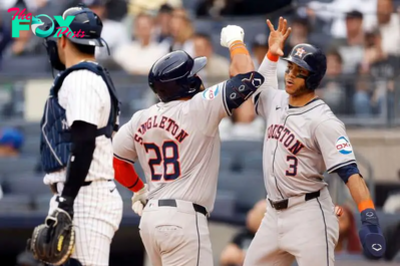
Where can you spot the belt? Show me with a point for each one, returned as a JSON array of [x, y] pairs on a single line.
[[283, 204], [172, 203], [53, 187]]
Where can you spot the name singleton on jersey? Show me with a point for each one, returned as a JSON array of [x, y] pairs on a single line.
[[283, 134], [165, 123]]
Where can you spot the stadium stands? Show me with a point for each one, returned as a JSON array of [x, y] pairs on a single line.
[[240, 185]]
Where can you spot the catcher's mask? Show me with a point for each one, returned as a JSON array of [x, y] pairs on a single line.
[[52, 51], [84, 20]]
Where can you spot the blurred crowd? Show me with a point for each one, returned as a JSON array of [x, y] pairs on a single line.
[[361, 39]]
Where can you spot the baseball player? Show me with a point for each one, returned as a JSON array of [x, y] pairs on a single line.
[[303, 140], [79, 119], [177, 144]]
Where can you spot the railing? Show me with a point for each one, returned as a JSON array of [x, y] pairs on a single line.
[[365, 102]]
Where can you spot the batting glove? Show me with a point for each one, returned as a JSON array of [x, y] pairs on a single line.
[[230, 34], [371, 236], [139, 200]]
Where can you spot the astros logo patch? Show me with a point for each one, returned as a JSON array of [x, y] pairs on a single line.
[[211, 93], [299, 52], [343, 146]]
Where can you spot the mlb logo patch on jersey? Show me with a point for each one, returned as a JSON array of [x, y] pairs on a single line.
[[211, 93], [343, 146]]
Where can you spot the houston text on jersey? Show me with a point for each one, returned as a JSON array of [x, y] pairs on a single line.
[[164, 123], [284, 135]]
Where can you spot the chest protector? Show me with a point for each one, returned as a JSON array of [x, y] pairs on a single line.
[[55, 140]]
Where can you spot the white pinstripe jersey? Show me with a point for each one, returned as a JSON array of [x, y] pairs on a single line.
[[85, 97], [301, 143], [178, 146]]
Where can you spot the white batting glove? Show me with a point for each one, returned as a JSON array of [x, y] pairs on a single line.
[[231, 33], [139, 200]]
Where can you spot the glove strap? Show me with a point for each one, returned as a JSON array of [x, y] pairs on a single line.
[[238, 47], [369, 217]]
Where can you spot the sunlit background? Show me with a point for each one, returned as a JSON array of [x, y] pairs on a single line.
[[362, 86]]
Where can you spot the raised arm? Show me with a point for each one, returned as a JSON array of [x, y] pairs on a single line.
[[265, 96], [232, 37], [276, 42]]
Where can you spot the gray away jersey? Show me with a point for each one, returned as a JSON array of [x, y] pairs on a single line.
[[178, 146], [300, 144]]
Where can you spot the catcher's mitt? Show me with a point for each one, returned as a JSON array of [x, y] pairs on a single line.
[[53, 242]]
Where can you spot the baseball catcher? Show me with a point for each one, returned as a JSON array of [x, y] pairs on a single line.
[[53, 242]]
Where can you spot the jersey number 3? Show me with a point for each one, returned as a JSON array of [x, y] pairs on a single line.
[[168, 156], [292, 171]]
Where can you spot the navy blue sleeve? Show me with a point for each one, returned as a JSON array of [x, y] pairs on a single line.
[[346, 171]]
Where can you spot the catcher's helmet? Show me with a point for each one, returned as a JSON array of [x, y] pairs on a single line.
[[311, 58], [85, 21], [173, 76]]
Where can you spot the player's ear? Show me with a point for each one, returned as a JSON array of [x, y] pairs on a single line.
[[62, 41]]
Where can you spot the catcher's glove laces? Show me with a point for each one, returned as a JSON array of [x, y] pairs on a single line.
[[53, 242]]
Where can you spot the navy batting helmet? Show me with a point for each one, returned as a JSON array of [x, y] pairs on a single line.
[[173, 76], [311, 58]]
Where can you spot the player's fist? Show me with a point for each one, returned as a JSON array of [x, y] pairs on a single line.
[[230, 34], [137, 207], [139, 200]]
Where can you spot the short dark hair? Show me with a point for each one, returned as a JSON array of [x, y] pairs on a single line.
[[354, 14], [84, 49], [302, 21], [334, 52], [204, 36], [166, 8]]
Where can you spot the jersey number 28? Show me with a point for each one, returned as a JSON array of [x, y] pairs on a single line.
[[166, 155]]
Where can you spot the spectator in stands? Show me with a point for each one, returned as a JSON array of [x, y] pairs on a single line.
[[259, 48], [218, 8], [349, 241], [163, 20], [235, 251], [151, 6], [389, 26], [11, 141], [24, 45], [31, 5], [182, 32], [139, 55], [114, 32], [217, 68], [333, 13], [300, 31], [5, 35], [351, 48], [380, 69], [333, 87]]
